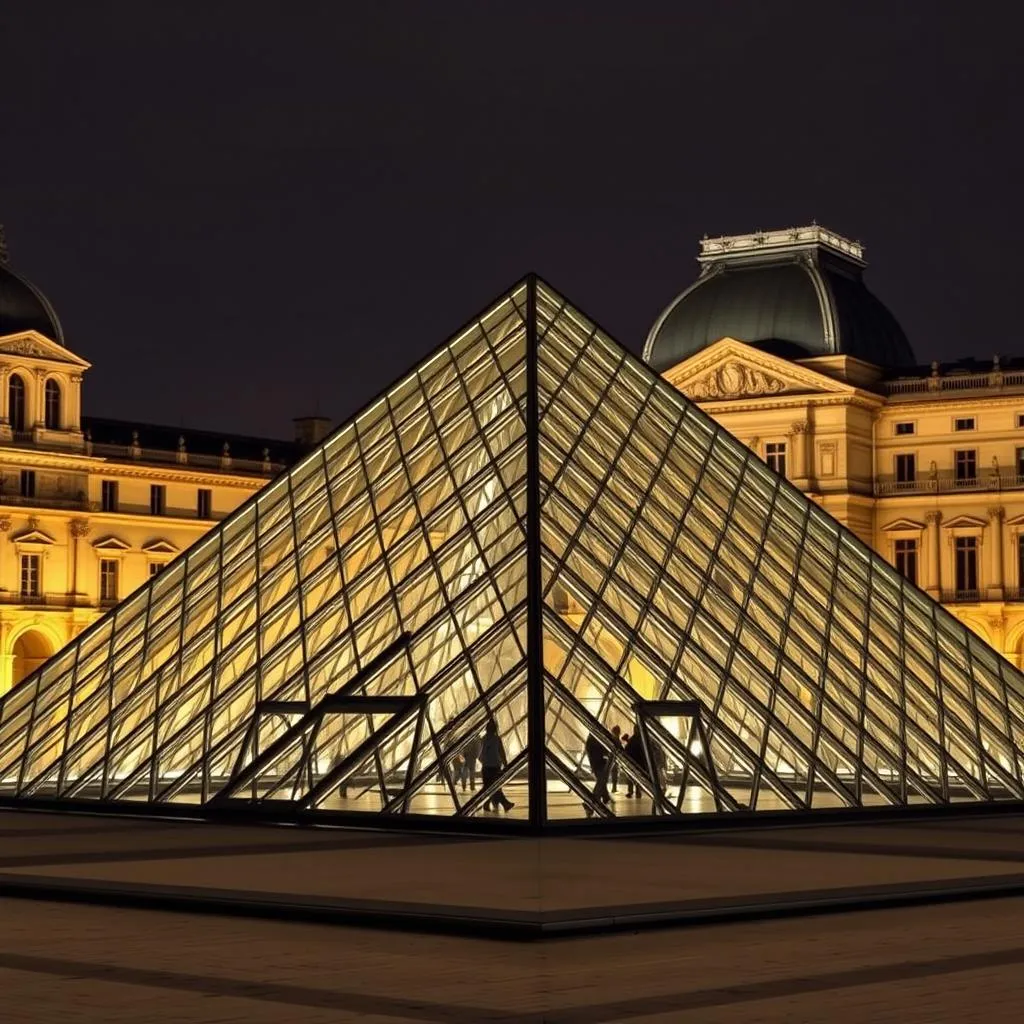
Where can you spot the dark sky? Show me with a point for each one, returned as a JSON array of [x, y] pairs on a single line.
[[247, 211]]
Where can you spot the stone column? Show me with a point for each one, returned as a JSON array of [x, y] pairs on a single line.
[[78, 528], [799, 437], [995, 588], [934, 588]]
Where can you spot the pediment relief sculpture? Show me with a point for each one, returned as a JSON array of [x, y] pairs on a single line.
[[733, 380], [26, 347]]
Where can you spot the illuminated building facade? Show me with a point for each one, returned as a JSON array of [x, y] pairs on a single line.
[[531, 532], [90, 507], [781, 342]]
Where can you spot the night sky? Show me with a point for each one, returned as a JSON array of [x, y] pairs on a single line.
[[245, 212]]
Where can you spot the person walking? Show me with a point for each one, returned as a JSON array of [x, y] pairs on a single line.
[[471, 753], [597, 757], [492, 761], [614, 771], [634, 750]]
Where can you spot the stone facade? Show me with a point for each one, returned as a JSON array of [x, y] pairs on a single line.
[[928, 470]]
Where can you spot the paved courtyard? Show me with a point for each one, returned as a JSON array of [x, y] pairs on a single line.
[[950, 961]]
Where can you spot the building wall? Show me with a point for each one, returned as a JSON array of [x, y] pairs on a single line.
[[57, 522], [841, 448]]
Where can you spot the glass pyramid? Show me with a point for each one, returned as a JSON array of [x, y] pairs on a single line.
[[526, 550]]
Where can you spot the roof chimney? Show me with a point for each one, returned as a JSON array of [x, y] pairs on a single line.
[[311, 430]]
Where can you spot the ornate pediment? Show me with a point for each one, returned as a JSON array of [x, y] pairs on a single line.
[[33, 536], [904, 525], [964, 522], [111, 543], [160, 547], [730, 369], [734, 380], [34, 345]]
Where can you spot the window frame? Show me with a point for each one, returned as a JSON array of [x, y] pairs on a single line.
[[958, 420], [111, 566], [775, 453], [158, 499], [906, 550], [207, 494], [52, 388], [112, 506], [34, 559], [973, 453], [18, 423], [896, 432], [896, 462]]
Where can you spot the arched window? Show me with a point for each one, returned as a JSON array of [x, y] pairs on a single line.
[[52, 402], [16, 402]]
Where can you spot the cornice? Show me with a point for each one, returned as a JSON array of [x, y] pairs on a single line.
[[73, 462], [784, 401], [929, 400]]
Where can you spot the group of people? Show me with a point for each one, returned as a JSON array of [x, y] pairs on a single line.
[[605, 766]]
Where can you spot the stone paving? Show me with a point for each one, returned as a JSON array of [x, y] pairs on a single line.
[[910, 966], [946, 962], [511, 875]]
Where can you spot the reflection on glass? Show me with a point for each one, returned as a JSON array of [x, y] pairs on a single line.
[[711, 641]]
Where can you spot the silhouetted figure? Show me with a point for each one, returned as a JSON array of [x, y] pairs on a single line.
[[492, 761], [459, 770], [597, 757], [634, 750], [471, 752], [614, 770], [629, 778]]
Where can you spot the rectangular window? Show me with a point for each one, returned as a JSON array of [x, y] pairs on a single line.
[[965, 463], [108, 579], [157, 499], [109, 496], [1020, 463], [964, 423], [155, 568], [28, 483], [967, 567], [204, 503], [775, 456], [903, 428], [906, 559], [30, 586], [1020, 419], [906, 468]]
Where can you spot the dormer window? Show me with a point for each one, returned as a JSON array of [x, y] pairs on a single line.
[[52, 405], [16, 402]]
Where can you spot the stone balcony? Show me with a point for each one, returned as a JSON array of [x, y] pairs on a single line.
[[948, 483]]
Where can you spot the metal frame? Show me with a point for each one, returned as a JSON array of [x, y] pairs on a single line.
[[407, 569]]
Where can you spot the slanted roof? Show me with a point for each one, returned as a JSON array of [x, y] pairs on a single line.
[[532, 529]]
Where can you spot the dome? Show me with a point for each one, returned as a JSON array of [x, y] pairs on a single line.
[[22, 306], [797, 293]]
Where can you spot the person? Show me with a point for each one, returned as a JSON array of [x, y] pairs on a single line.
[[471, 754], [634, 750], [597, 757], [614, 772], [459, 770], [629, 778], [492, 760]]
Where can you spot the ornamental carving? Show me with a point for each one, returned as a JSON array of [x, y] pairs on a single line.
[[733, 380], [26, 347]]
